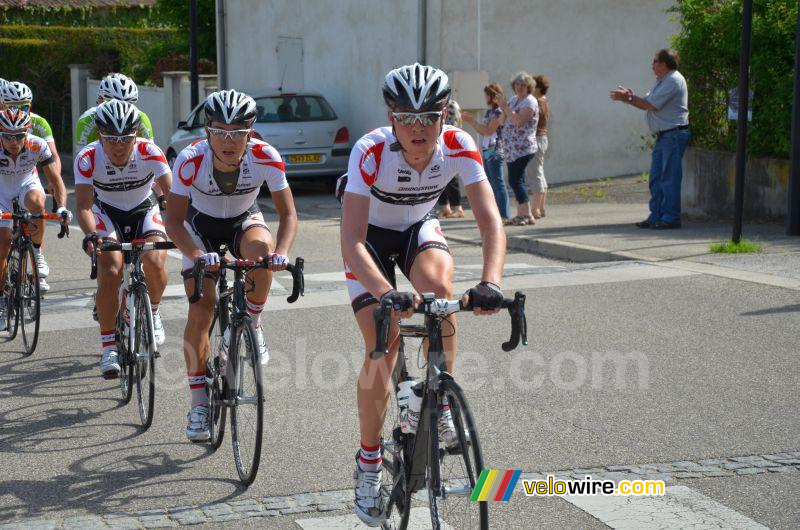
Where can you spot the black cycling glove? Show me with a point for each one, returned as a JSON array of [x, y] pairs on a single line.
[[486, 296], [400, 301], [90, 238]]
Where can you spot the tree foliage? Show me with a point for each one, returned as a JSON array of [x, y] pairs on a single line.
[[709, 47]]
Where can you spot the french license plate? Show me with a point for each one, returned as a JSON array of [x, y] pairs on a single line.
[[305, 159]]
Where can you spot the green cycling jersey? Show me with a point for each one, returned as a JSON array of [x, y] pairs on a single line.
[[40, 128], [86, 129]]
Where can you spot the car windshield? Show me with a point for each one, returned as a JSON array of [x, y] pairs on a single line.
[[292, 108]]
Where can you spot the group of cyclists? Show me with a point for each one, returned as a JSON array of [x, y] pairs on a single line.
[[396, 173]]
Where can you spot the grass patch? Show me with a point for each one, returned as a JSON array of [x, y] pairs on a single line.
[[742, 247]]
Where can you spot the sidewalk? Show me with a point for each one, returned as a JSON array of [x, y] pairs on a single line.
[[581, 226]]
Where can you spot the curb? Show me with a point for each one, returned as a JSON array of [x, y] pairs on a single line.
[[560, 250]]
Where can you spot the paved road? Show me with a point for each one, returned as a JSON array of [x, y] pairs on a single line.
[[633, 370]]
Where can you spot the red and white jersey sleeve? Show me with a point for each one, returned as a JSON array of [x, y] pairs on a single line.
[[123, 188], [399, 195], [194, 178]]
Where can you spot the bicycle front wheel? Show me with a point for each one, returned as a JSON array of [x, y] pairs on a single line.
[[247, 407], [143, 354], [11, 292], [460, 465], [29, 300]]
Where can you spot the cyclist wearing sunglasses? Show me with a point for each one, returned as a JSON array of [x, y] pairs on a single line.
[[114, 177], [19, 154], [112, 87], [222, 176], [395, 176], [18, 96]]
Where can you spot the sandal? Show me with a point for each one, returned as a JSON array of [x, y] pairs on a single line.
[[519, 220], [457, 214], [507, 221], [442, 214]]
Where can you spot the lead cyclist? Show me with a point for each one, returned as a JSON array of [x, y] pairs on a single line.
[[394, 178]]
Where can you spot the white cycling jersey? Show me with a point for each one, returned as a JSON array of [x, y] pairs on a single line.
[[14, 172], [123, 188], [399, 196], [194, 178]]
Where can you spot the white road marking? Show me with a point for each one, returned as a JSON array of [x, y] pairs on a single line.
[[176, 307], [418, 518], [681, 507]]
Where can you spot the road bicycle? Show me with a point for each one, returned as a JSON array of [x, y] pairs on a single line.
[[413, 462], [233, 372], [136, 343], [21, 290]]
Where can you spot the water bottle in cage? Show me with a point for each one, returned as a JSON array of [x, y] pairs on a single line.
[[409, 403]]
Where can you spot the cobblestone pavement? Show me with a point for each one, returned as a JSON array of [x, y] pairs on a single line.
[[332, 501]]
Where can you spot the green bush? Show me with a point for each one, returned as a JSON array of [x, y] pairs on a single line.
[[40, 56], [709, 45]]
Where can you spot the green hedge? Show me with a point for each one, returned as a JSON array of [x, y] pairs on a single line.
[[709, 45], [39, 56]]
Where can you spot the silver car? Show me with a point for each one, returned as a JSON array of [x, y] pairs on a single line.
[[302, 126]]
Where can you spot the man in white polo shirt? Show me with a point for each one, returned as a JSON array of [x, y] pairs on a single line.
[[667, 107]]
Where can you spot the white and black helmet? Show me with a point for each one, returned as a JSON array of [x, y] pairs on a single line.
[[14, 119], [14, 91], [117, 117], [230, 107], [416, 87], [118, 86]]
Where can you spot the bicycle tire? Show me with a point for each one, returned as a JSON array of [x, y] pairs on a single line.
[[398, 503], [28, 297], [215, 383], [11, 292], [125, 367], [458, 470], [244, 362], [144, 358]]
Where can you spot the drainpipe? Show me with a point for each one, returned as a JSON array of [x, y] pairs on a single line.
[[422, 29], [222, 48]]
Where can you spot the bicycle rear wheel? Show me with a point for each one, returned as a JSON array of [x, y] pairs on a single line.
[[248, 401], [143, 355], [459, 468], [398, 504], [29, 300], [11, 292], [123, 350], [215, 382]]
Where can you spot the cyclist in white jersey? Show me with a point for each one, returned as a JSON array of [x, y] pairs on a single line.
[[16, 95], [114, 177], [19, 154], [221, 177], [394, 178]]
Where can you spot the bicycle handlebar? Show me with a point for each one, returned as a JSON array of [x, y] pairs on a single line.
[[443, 307], [136, 244], [28, 216], [298, 279]]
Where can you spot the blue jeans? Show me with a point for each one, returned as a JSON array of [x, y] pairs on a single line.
[[666, 175], [493, 165], [516, 177]]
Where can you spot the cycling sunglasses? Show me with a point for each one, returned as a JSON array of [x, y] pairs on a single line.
[[237, 134], [118, 138], [24, 107], [424, 118], [14, 136]]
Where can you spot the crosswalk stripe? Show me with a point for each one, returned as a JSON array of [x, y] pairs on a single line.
[[680, 507]]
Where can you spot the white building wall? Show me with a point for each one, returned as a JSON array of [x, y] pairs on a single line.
[[586, 47]]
